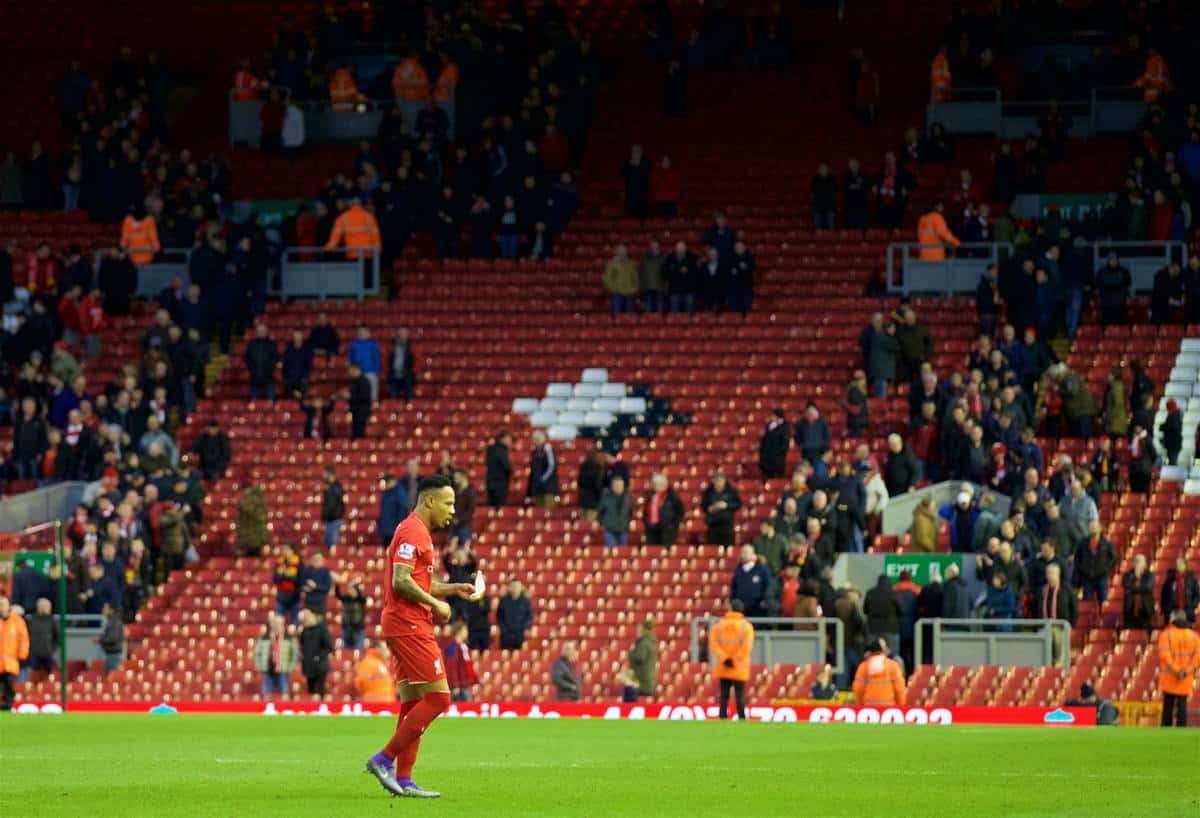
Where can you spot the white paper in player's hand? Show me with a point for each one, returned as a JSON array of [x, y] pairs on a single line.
[[480, 587]]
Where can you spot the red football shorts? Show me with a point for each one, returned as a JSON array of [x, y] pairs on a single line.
[[415, 659]]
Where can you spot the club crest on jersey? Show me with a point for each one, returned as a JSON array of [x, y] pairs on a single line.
[[406, 550]]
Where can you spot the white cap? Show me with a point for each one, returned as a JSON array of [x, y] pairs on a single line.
[[964, 497]]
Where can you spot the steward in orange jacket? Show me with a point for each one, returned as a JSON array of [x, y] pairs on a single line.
[[139, 238], [410, 80], [729, 643], [357, 230], [372, 679], [343, 90], [1155, 78], [14, 646], [879, 681], [940, 79], [934, 235], [1178, 663], [447, 81]]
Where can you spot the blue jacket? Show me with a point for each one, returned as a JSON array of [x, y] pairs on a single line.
[[1014, 353], [751, 588], [297, 363], [366, 355], [813, 436], [1001, 602], [317, 598], [393, 505], [957, 543]]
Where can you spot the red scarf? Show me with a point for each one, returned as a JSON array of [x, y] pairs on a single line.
[[1050, 602], [887, 185], [656, 502]]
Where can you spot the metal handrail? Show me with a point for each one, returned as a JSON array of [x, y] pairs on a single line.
[[821, 622], [997, 252], [1042, 627]]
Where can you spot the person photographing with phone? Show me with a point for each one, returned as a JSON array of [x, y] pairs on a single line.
[[414, 601], [730, 641]]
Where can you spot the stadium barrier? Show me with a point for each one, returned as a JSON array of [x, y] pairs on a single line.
[[53, 502], [313, 272], [169, 263], [805, 642], [324, 124], [778, 714], [983, 110], [1004, 642]]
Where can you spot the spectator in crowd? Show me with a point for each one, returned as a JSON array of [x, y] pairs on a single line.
[[771, 546], [824, 198], [261, 357], [882, 611], [359, 399], [479, 629], [855, 185], [720, 502], [402, 372], [923, 532], [858, 418], [1056, 600], [721, 236], [1178, 664], [1138, 583], [315, 646], [773, 448], [42, 627], [637, 173], [730, 642], [881, 357], [627, 683], [987, 301], [590, 484], [112, 638], [543, 472], [213, 449], [916, 344], [464, 509], [364, 353], [372, 678], [664, 189], [297, 365], [393, 506], [651, 280], [287, 579], [1172, 432], [713, 281], [354, 611], [901, 470], [615, 512], [621, 281], [276, 654], [1094, 560], [962, 516], [1113, 284], [752, 583], [323, 338], [813, 438], [956, 596], [824, 688], [1167, 294], [1142, 456], [879, 681], [514, 616], [460, 669], [316, 581], [643, 658], [1116, 411], [498, 469], [682, 274], [333, 507], [1180, 592], [568, 686], [663, 512], [14, 650], [740, 279]]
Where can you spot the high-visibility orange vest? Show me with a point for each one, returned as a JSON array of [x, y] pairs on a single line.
[[357, 230], [732, 637], [447, 81], [939, 77], [372, 679], [14, 643], [139, 238], [1155, 78], [245, 86], [409, 80], [1178, 649], [933, 234], [879, 682], [343, 91]]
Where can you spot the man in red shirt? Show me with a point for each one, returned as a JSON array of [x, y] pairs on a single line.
[[411, 605]]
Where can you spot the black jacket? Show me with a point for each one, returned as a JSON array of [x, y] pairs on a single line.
[[514, 616], [297, 363], [261, 357], [43, 635], [333, 502], [1096, 564], [543, 472], [1136, 588], [882, 610], [315, 646], [214, 452], [732, 503], [499, 467], [360, 395], [930, 601], [773, 448], [681, 274], [1191, 594], [324, 339], [591, 483], [901, 471], [671, 512]]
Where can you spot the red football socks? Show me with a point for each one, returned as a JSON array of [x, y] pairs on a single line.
[[405, 709], [406, 741]]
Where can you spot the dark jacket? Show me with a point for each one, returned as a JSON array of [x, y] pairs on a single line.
[[315, 646], [28, 586], [1138, 590], [514, 616], [214, 452], [882, 609], [671, 511], [615, 512], [813, 436], [43, 635], [360, 395], [567, 684], [773, 448], [1191, 595], [643, 658], [499, 468], [324, 339], [732, 503], [392, 505], [543, 471], [316, 597], [881, 357], [901, 471], [591, 483], [956, 599], [333, 502], [930, 601], [681, 274], [1095, 564], [261, 357], [112, 637], [752, 587], [297, 363]]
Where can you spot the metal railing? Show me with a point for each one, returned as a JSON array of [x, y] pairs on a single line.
[[1006, 642], [152, 278], [959, 272], [1107, 109], [1142, 258], [53, 502], [314, 272], [83, 637], [806, 643], [897, 515], [325, 120]]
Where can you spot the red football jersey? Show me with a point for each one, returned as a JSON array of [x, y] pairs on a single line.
[[412, 544]]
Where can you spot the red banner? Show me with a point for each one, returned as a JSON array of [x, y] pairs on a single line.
[[848, 714]]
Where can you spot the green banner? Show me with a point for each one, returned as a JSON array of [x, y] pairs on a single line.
[[1073, 206], [42, 560], [270, 212], [924, 568]]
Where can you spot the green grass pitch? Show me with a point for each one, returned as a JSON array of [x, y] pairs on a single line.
[[291, 767]]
